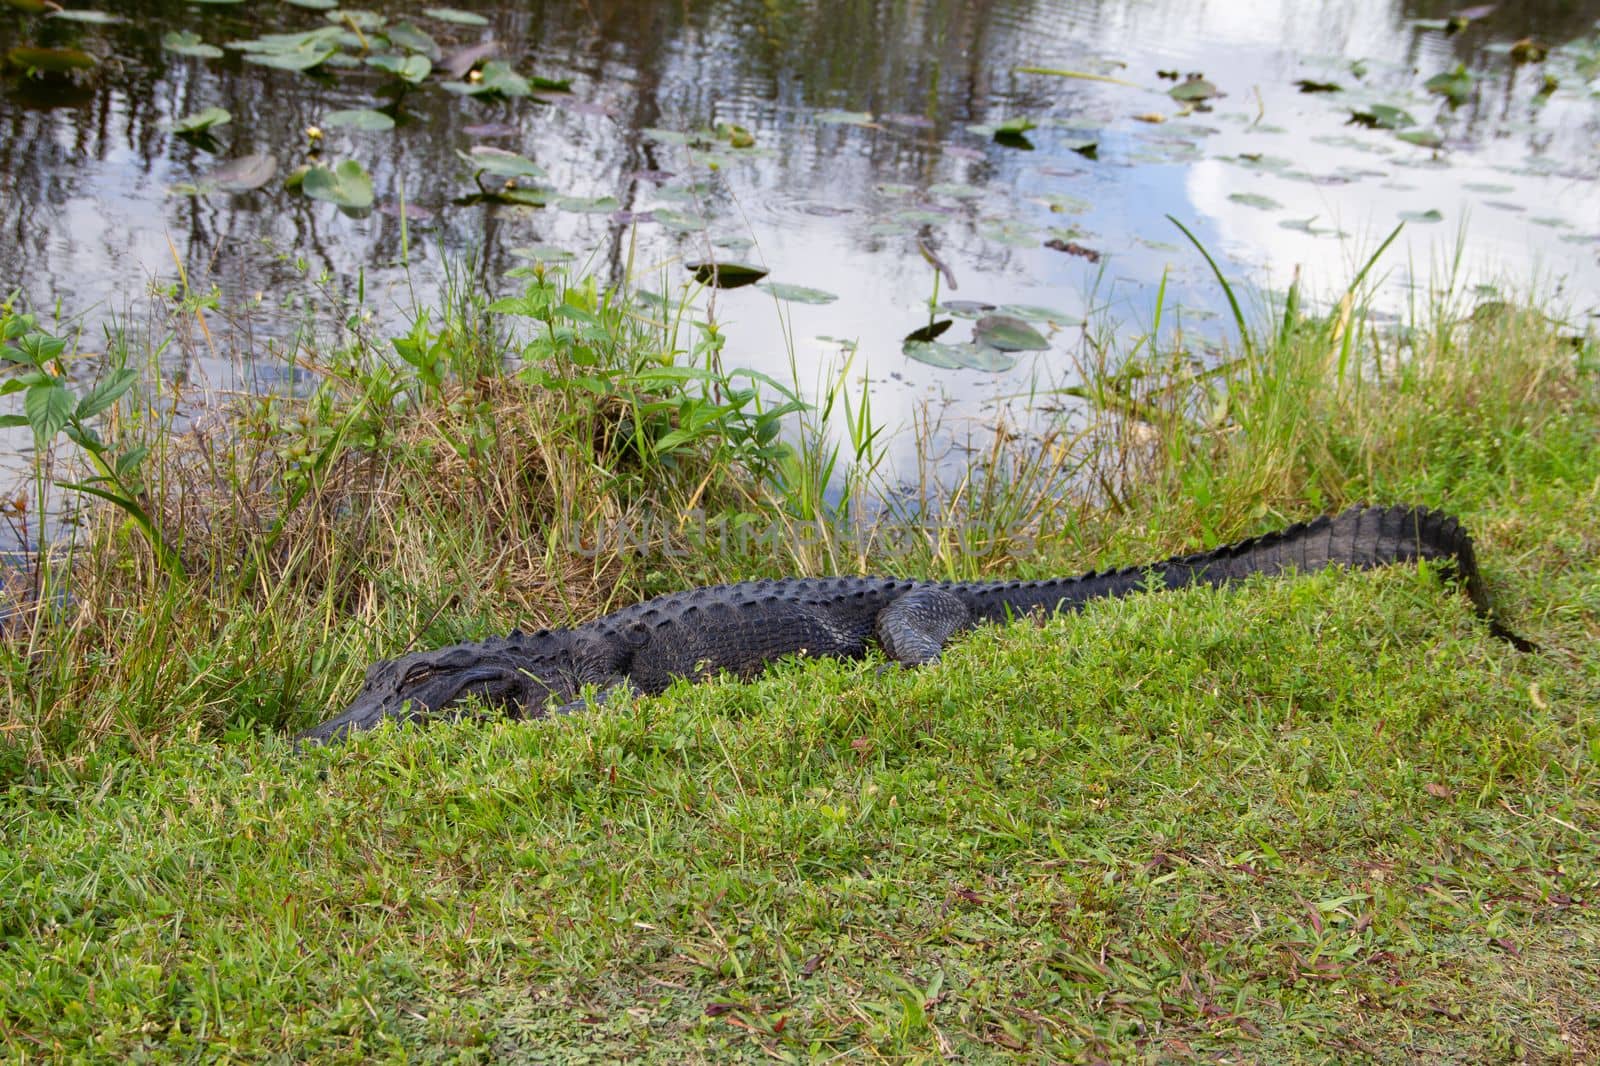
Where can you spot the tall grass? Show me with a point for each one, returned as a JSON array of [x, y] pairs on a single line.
[[471, 474]]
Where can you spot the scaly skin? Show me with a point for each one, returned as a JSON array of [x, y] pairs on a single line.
[[740, 628]]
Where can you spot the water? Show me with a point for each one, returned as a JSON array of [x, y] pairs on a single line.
[[1271, 179]]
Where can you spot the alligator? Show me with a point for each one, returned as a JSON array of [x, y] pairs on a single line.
[[740, 628]]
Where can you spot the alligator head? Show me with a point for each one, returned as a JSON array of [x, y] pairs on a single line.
[[518, 674]]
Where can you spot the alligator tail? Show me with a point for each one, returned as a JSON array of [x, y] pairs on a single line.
[[1360, 537]]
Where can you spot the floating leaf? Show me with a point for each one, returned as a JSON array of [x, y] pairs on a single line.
[[1429, 215], [1008, 333], [50, 60], [360, 118], [1425, 138], [452, 15], [679, 221], [966, 308], [487, 159], [243, 174], [932, 331], [405, 35], [835, 117], [726, 275], [412, 68], [797, 294], [1307, 85], [201, 121], [295, 59], [1455, 86], [187, 43], [1035, 313], [1250, 199], [958, 356], [1382, 116], [543, 253], [314, 5], [955, 190], [365, 21], [347, 185], [93, 18], [1193, 89], [495, 77], [590, 205]]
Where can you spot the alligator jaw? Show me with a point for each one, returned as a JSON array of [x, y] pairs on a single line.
[[424, 684]]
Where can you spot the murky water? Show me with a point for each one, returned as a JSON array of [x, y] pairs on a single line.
[[872, 133]]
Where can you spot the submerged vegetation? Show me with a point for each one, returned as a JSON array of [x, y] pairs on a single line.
[[1324, 817]]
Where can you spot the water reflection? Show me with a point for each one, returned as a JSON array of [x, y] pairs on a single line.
[[88, 221]]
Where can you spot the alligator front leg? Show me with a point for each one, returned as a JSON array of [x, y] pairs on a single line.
[[914, 628]]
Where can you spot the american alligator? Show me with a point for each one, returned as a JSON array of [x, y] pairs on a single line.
[[740, 628]]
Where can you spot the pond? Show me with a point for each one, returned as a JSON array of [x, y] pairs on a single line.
[[1033, 150]]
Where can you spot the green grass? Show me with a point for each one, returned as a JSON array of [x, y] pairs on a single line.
[[1320, 819]]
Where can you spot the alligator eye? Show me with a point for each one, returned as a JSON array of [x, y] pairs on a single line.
[[416, 675]]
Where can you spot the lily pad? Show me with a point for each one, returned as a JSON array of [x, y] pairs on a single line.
[[1008, 333], [91, 17], [243, 174], [1036, 313], [968, 356], [365, 21], [295, 59], [409, 37], [412, 68], [835, 117], [496, 78], [589, 205], [932, 331], [678, 221], [726, 275], [1194, 89], [1256, 200], [360, 118], [543, 253], [187, 43], [1383, 116], [797, 294], [201, 121], [1430, 215], [966, 308], [1455, 86], [487, 159], [1423, 138], [50, 60], [455, 17], [346, 184]]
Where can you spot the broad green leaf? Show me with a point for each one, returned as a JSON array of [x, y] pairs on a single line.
[[591, 205], [365, 21], [298, 59], [94, 18], [360, 118], [407, 36], [346, 184], [1429, 215], [726, 275], [1009, 334], [108, 391], [1256, 200], [51, 60], [452, 15], [797, 294], [412, 68], [201, 121], [243, 174], [48, 406], [188, 43], [487, 159]]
